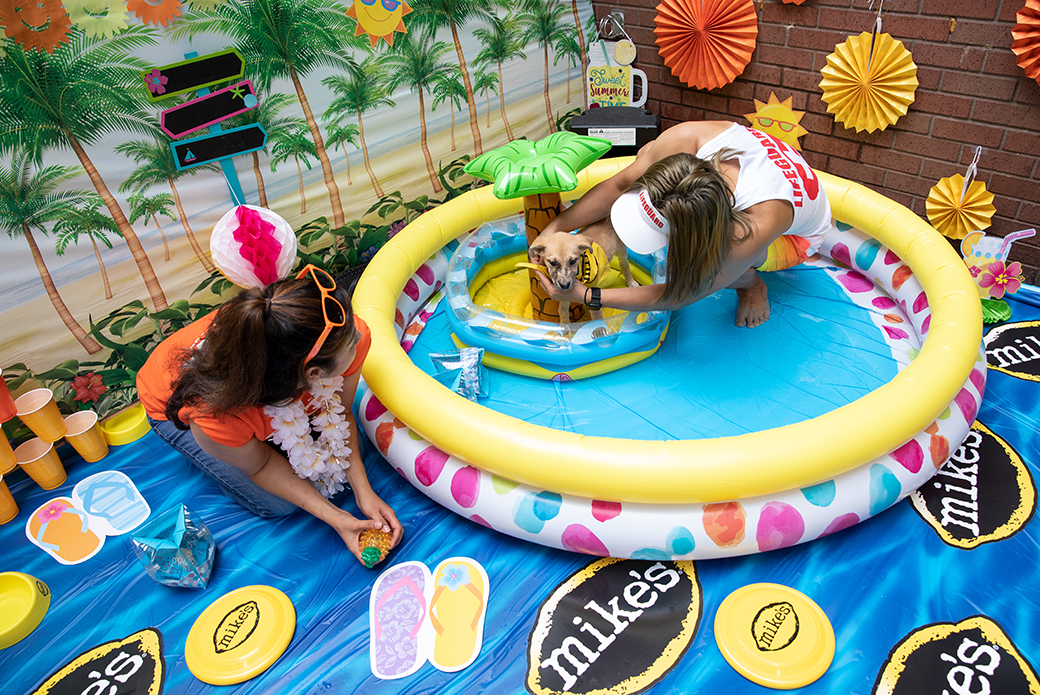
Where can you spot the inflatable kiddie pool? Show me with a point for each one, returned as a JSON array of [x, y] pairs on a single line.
[[682, 499], [523, 345]]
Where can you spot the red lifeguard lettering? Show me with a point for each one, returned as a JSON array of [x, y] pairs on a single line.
[[785, 158]]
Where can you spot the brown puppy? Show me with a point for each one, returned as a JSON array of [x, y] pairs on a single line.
[[560, 253]]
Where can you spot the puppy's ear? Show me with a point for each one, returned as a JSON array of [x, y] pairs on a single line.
[[536, 252], [584, 245]]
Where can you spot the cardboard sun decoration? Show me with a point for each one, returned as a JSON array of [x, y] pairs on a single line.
[[379, 19], [1026, 33], [706, 43], [35, 24], [778, 119], [869, 81]]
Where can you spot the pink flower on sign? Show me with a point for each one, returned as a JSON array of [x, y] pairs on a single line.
[[1000, 279], [156, 81], [52, 511]]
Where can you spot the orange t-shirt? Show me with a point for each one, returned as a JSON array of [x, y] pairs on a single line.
[[155, 381]]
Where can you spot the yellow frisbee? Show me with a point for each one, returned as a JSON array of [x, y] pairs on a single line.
[[240, 635], [774, 635]]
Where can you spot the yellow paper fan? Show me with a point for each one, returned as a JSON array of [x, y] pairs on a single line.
[[955, 217], [869, 98]]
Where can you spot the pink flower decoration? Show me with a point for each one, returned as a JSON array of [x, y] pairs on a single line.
[[999, 279], [53, 511], [156, 81]]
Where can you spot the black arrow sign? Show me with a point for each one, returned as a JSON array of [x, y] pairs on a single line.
[[194, 73], [211, 148], [208, 110]]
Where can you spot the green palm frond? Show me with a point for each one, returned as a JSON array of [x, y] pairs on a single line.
[[550, 165]]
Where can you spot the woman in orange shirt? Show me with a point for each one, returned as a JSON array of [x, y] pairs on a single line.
[[276, 363]]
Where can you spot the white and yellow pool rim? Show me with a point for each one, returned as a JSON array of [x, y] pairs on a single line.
[[680, 472]]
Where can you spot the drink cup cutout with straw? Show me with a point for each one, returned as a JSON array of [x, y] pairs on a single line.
[[41, 462], [85, 435], [40, 413], [7, 460], [8, 507], [7, 407]]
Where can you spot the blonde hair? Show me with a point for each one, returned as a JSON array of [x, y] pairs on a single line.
[[697, 201]]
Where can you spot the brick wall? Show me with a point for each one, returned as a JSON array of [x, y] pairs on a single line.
[[971, 93]]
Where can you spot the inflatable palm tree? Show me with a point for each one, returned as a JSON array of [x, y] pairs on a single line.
[[539, 172]]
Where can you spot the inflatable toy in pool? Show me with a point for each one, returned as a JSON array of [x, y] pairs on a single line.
[[685, 499]]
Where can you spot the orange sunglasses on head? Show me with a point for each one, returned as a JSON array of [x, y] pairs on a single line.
[[326, 285]]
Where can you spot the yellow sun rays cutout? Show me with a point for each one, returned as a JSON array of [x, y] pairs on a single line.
[[778, 119], [869, 93], [954, 217], [379, 19]]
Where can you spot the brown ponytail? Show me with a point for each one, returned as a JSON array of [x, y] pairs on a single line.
[[254, 351]]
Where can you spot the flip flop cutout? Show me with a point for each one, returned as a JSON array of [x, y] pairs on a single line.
[[113, 501], [62, 530], [457, 612], [399, 644]]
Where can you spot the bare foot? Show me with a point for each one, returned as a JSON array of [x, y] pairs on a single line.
[[753, 307]]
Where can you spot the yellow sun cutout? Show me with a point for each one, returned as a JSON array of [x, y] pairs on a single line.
[[379, 19], [778, 119]]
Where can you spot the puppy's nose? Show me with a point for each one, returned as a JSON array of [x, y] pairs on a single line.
[[565, 285]]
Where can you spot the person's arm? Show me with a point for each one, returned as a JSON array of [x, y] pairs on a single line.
[[370, 504], [273, 473]]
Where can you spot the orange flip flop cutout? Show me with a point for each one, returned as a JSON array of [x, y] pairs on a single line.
[[457, 612], [62, 530]]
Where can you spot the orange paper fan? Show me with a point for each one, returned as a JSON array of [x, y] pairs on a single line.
[[706, 43], [1026, 33], [869, 90], [953, 216]]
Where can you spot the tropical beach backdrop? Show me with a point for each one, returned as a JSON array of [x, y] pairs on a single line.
[[371, 111]]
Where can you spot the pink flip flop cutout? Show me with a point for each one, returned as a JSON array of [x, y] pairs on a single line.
[[397, 616]]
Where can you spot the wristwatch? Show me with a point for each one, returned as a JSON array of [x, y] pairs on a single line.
[[595, 302]]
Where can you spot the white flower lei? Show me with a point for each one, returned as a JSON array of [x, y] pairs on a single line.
[[323, 461]]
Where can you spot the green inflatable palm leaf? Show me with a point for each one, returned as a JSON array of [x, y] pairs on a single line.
[[550, 165]]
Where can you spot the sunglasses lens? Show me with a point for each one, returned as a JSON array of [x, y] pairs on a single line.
[[334, 311], [323, 279], [765, 122], [786, 127]]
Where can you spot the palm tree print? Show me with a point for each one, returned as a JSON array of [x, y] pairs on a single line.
[[500, 43], [364, 90], [434, 14], [415, 61], [541, 19], [448, 87], [144, 206], [293, 142], [69, 99], [28, 201], [486, 83], [567, 49], [283, 39], [155, 164], [341, 136], [87, 221], [265, 114]]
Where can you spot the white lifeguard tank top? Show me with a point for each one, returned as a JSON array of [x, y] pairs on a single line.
[[773, 170]]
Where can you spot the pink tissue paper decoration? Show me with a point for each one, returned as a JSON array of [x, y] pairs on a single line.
[[259, 246], [253, 246]]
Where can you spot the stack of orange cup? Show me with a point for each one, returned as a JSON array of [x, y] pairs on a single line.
[[7, 406], [40, 460], [38, 411], [8, 507], [85, 436]]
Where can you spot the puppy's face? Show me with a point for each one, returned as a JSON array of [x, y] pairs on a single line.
[[560, 255]]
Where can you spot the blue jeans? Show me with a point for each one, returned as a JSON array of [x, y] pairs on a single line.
[[231, 480]]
